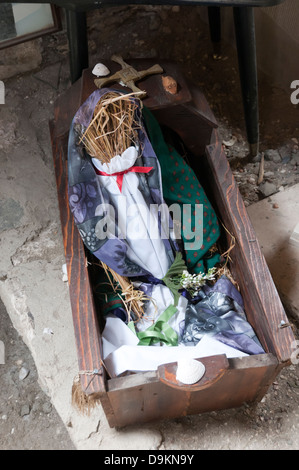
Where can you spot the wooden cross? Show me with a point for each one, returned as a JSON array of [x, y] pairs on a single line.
[[127, 76]]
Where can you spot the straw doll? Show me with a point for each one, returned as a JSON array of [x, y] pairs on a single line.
[[115, 194], [116, 198]]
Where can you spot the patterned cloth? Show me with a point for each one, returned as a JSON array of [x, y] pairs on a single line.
[[90, 201], [218, 310], [220, 314], [181, 186]]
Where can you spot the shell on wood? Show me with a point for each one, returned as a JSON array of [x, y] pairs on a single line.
[[100, 70], [189, 371]]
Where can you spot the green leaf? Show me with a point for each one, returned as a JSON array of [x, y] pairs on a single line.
[[172, 278]]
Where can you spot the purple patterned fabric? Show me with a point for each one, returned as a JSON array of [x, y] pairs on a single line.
[[89, 200], [219, 313], [217, 310]]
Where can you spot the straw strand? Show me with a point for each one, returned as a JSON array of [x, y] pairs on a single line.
[[113, 127]]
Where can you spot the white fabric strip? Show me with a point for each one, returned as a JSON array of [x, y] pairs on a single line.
[[121, 353]]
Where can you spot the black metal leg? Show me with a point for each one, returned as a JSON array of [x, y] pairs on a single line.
[[215, 29], [77, 38], [246, 46]]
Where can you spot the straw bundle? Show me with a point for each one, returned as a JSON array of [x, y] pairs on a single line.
[[113, 128], [133, 299], [111, 131], [81, 401], [224, 270]]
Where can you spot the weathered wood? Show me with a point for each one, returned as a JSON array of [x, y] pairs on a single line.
[[215, 368], [84, 316], [150, 396], [156, 97], [262, 302], [65, 108], [143, 397]]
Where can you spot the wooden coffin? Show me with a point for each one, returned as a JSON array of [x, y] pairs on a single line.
[[227, 383]]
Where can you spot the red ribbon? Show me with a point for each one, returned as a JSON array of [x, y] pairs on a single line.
[[120, 174]]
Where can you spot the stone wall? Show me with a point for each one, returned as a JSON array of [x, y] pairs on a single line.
[[277, 36], [170, 32]]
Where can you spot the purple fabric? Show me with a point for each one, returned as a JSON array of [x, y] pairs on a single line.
[[239, 341], [226, 287], [87, 197], [219, 314]]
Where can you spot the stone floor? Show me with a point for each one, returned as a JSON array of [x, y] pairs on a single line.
[[274, 220]]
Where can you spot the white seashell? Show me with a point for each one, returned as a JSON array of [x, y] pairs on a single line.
[[100, 70], [189, 371]]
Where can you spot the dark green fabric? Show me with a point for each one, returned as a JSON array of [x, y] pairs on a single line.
[[108, 298], [180, 185]]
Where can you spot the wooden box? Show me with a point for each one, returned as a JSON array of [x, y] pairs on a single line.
[[227, 383]]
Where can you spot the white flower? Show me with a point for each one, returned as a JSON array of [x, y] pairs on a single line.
[[193, 282]]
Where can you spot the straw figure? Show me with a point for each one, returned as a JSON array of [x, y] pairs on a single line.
[[111, 131], [113, 127]]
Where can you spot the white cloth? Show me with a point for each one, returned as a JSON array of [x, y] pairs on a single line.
[[162, 298], [139, 227], [138, 224], [121, 353]]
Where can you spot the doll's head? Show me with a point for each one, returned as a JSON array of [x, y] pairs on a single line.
[[113, 127]]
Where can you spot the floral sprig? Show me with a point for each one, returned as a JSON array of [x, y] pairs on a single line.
[[193, 282]]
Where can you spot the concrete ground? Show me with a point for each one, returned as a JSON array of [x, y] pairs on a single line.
[[36, 296]]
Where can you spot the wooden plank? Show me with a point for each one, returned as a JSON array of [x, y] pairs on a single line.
[[215, 368], [84, 316], [65, 108], [144, 397], [135, 400], [156, 97], [263, 306]]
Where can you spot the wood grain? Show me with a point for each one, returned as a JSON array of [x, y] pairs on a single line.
[[215, 368], [150, 396], [262, 302], [84, 316], [142, 398]]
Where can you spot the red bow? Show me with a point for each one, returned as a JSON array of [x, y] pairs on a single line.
[[120, 174]]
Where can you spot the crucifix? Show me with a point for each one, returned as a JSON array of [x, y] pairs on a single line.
[[127, 75]]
